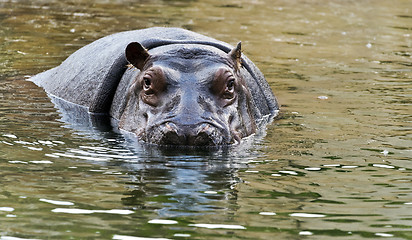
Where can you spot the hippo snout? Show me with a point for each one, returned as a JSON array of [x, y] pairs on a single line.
[[203, 134]]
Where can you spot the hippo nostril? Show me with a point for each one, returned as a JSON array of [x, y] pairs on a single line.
[[169, 135], [203, 134], [172, 138], [201, 139]]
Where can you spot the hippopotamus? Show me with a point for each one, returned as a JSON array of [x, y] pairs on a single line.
[[168, 86]]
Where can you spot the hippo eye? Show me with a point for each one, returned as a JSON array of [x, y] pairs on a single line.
[[230, 85], [146, 83], [230, 88], [224, 85]]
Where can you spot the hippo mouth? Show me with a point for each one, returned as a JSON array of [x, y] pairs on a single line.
[[202, 134]]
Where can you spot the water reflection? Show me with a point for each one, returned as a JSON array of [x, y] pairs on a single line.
[[182, 185], [173, 181], [78, 118]]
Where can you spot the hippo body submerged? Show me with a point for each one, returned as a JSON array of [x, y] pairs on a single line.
[[183, 88]]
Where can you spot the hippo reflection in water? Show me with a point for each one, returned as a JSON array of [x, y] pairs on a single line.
[[169, 86]]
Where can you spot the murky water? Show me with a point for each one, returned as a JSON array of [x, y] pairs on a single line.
[[336, 164]]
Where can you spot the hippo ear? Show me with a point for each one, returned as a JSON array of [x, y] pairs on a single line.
[[236, 55], [136, 54]]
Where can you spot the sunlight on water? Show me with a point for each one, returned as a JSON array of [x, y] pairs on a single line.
[[85, 211], [55, 202], [307, 215], [6, 209], [267, 213], [217, 226], [162, 221], [15, 238], [305, 233], [123, 237]]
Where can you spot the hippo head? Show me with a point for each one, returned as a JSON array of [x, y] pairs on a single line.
[[188, 94]]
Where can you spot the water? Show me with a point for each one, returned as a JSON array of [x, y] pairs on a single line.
[[336, 164]]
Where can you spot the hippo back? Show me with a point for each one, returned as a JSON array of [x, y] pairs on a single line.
[[91, 75]]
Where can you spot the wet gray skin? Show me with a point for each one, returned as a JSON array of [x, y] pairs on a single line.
[[179, 89], [187, 96]]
